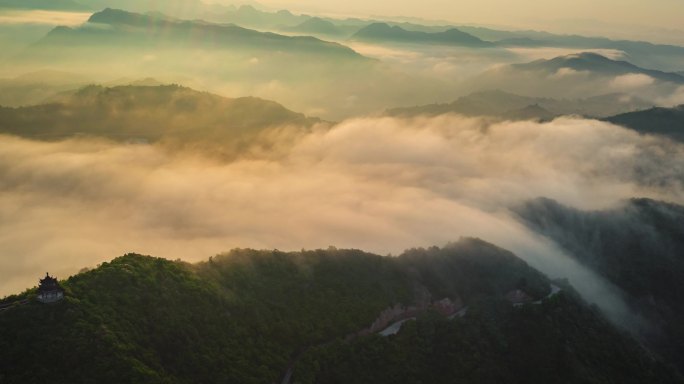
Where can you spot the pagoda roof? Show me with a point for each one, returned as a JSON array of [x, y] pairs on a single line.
[[49, 284]]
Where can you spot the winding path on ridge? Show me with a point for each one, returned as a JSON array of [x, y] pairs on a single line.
[[395, 327], [4, 307]]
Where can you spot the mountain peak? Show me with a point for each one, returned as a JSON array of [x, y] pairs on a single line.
[[380, 27], [587, 57], [119, 16], [108, 14], [385, 32], [316, 25], [248, 9], [599, 64]]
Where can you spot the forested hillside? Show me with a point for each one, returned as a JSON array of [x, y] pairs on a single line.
[[152, 113], [242, 317], [639, 247]]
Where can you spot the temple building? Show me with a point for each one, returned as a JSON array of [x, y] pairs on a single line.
[[49, 290], [519, 297]]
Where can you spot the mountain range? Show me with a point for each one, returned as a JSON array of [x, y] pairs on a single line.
[[383, 32], [595, 63], [118, 27], [646, 54], [574, 76], [515, 107], [250, 16]]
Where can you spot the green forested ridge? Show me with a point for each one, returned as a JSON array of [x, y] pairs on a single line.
[[241, 317]]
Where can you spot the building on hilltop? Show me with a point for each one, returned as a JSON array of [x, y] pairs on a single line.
[[519, 297], [49, 290]]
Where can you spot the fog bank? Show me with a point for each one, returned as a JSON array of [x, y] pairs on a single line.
[[379, 184]]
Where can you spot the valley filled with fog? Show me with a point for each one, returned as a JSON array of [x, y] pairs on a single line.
[[185, 131]]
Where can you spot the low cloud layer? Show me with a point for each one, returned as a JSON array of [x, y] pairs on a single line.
[[43, 17], [382, 185]]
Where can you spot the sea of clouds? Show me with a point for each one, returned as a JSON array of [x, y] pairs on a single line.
[[378, 184]]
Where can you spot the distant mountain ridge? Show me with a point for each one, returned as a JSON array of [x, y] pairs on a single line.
[[397, 34], [642, 53], [135, 30], [666, 57], [574, 76], [511, 106], [593, 62], [250, 16], [667, 122], [316, 25], [151, 114]]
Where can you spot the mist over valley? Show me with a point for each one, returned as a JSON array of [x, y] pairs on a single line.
[[318, 191]]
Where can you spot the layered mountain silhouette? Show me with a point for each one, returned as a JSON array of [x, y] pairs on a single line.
[[515, 107], [303, 317], [659, 121], [317, 26], [576, 76], [167, 113], [250, 16], [598, 64], [639, 247], [664, 57], [383, 32], [121, 28], [645, 54]]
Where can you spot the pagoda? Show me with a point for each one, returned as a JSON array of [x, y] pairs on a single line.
[[49, 290]]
